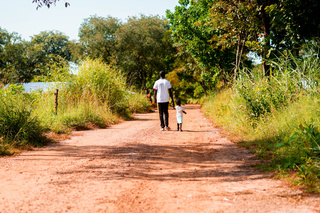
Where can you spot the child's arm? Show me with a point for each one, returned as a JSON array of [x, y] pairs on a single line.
[[184, 112]]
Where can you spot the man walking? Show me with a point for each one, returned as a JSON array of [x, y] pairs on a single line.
[[162, 90]]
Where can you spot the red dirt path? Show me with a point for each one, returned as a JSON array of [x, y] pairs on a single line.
[[133, 167]]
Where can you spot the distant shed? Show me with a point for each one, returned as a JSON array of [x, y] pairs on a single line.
[[37, 86]]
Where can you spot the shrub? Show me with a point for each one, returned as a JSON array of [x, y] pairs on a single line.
[[96, 97], [137, 102], [100, 82], [278, 116], [18, 125]]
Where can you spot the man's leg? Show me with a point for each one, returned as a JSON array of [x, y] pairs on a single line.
[[160, 108], [166, 113]]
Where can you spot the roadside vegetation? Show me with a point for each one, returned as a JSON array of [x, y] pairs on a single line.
[[277, 117], [96, 97]]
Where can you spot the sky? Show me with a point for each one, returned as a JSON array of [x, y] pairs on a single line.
[[21, 16]]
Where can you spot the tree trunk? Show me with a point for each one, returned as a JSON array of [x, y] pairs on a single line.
[[266, 30]]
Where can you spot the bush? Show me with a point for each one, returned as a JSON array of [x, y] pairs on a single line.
[[138, 102], [277, 116], [99, 82], [18, 125], [302, 145], [262, 94], [96, 97]]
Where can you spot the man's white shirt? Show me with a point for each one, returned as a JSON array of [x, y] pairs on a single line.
[[162, 86]]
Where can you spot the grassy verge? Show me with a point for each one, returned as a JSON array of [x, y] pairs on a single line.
[[278, 118], [95, 98]]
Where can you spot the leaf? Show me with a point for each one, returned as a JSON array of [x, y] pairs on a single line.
[[281, 144], [301, 126], [293, 137]]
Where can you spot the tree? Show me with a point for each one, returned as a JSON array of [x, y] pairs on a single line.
[[293, 23], [237, 24], [47, 3], [48, 47], [144, 48], [97, 37], [191, 33], [13, 60]]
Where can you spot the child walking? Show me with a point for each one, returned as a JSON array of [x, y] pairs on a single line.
[[179, 110]]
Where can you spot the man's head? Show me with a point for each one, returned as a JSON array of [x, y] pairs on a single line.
[[162, 74]]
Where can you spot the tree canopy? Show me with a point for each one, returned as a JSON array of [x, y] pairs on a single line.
[[22, 61], [142, 48], [214, 29], [97, 37]]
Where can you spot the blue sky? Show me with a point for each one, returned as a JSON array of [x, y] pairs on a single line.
[[22, 17]]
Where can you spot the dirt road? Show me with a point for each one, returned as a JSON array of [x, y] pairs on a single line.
[[133, 167]]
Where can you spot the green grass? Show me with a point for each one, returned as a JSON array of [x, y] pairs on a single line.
[[18, 125], [277, 117], [95, 98]]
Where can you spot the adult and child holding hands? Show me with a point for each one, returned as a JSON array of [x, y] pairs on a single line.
[[162, 93]]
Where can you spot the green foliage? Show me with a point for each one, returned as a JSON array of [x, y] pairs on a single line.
[[192, 36], [47, 53], [13, 89], [138, 103], [237, 24], [144, 49], [18, 125], [22, 61], [97, 96], [81, 113], [14, 66], [100, 82], [261, 94], [277, 117], [301, 146], [4, 149], [54, 71], [97, 38], [293, 23], [140, 48]]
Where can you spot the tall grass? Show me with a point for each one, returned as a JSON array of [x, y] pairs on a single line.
[[96, 97], [18, 125], [277, 116]]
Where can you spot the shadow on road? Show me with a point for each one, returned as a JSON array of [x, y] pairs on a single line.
[[161, 163]]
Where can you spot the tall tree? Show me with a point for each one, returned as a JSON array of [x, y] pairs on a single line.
[[293, 23], [48, 47], [191, 32], [97, 37], [144, 48], [14, 65], [236, 23]]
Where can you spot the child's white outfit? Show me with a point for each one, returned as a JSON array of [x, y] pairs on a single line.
[[179, 110]]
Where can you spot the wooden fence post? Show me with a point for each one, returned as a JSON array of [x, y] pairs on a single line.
[[56, 102]]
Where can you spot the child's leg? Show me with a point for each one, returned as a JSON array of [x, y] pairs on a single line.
[[181, 127], [177, 126]]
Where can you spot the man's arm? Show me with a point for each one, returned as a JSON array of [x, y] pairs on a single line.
[[171, 95], [155, 95]]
